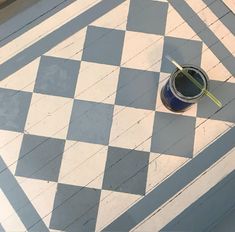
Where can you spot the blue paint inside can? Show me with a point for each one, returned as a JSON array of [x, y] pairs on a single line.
[[179, 93]]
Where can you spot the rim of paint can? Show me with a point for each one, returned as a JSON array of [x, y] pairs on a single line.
[[179, 95]]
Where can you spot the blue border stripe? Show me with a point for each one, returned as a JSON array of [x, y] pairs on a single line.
[[208, 209], [17, 198], [57, 36]]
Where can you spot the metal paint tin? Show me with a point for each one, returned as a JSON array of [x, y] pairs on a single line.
[[179, 93]]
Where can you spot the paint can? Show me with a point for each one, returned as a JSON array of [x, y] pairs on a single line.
[[179, 93]]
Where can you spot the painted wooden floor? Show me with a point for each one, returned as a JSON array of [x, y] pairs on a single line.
[[86, 143]]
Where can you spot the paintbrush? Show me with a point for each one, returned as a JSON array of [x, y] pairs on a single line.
[[195, 82]]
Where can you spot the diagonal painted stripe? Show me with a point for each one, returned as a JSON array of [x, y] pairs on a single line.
[[226, 223], [189, 195], [228, 20], [173, 184], [6, 3], [230, 4], [1, 228], [207, 36], [18, 196], [21, 23], [57, 36], [208, 209]]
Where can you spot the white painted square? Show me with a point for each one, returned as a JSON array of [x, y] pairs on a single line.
[[97, 82], [49, 116], [83, 164], [70, 48], [142, 51], [177, 27], [132, 128], [207, 130], [116, 18], [161, 166], [113, 204]]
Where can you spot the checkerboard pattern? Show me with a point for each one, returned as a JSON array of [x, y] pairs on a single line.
[[93, 123]]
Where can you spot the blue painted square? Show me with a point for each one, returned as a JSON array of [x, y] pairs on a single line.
[[184, 51], [173, 134], [126, 170], [40, 158], [103, 45], [137, 88], [14, 106], [90, 122], [75, 208], [57, 76], [147, 16]]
